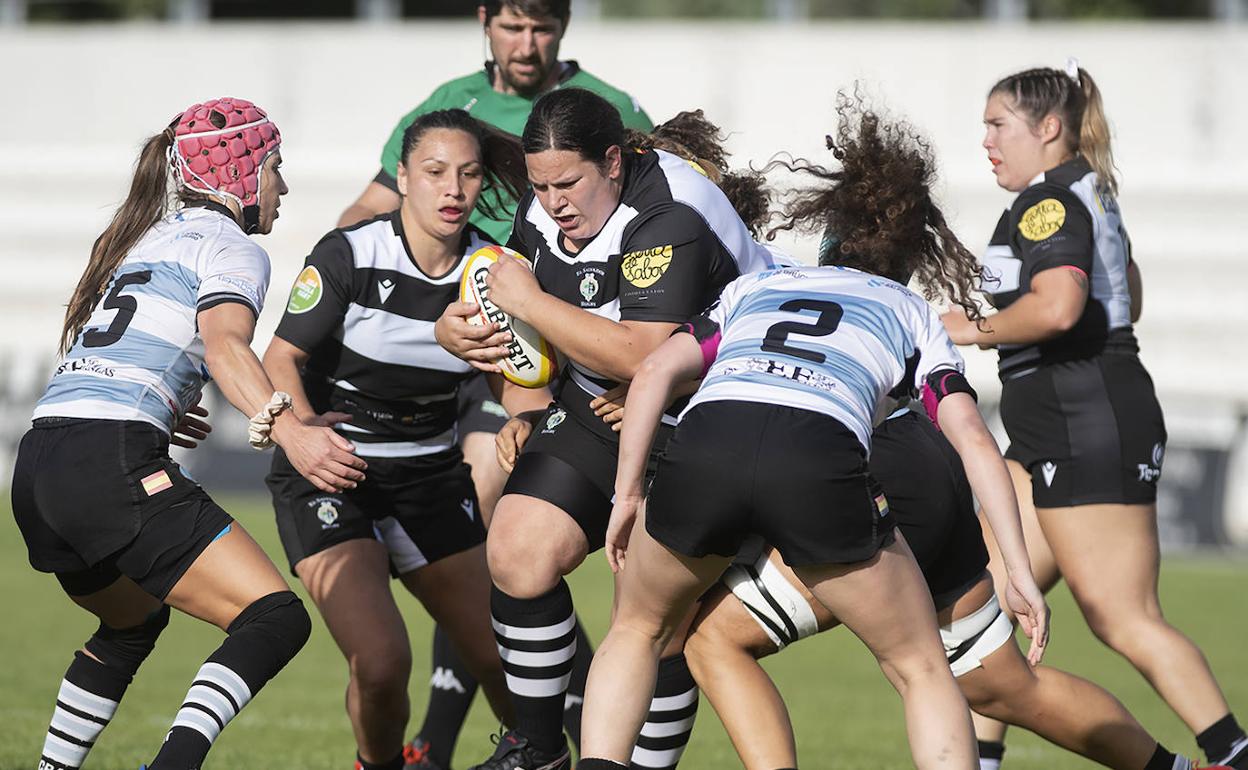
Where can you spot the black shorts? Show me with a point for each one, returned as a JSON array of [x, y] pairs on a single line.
[[98, 499], [572, 467], [1088, 431], [795, 477], [423, 509], [478, 411], [930, 497]]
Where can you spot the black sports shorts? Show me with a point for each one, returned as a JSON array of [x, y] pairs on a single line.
[[422, 508], [797, 478], [572, 467], [478, 411], [1088, 431], [930, 497], [98, 499]]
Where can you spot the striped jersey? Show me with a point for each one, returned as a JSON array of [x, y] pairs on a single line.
[[832, 340], [1062, 221], [671, 245], [140, 356], [364, 311]]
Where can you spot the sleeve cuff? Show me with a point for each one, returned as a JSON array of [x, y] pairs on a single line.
[[221, 298], [387, 180]]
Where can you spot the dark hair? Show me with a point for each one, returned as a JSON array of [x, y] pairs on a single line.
[[1077, 103], [534, 9], [576, 120], [146, 203], [505, 178], [876, 211]]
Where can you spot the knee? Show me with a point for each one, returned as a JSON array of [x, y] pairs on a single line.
[[125, 649], [282, 619], [523, 567], [382, 670], [915, 671]]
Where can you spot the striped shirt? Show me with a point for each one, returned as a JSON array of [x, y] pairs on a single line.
[[140, 356]]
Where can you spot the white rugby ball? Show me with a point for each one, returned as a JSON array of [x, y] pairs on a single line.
[[530, 361]]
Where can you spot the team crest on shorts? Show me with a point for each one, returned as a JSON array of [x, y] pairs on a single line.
[[555, 419], [326, 511]]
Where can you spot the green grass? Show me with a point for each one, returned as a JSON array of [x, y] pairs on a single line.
[[846, 716]]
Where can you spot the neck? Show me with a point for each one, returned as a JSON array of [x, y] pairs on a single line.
[[230, 204], [431, 253], [503, 87]]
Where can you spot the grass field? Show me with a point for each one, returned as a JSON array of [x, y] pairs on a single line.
[[845, 714]]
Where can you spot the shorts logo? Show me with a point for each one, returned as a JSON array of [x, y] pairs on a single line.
[[1150, 473], [555, 419], [643, 268], [326, 511], [156, 483], [306, 293], [589, 287], [1042, 220], [468, 508], [1049, 470], [1159, 453]]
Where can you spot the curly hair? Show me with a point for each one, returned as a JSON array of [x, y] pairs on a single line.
[[695, 138], [876, 212]]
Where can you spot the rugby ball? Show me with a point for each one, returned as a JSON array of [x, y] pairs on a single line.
[[530, 361]]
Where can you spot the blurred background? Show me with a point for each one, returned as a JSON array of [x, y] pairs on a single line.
[[85, 81]]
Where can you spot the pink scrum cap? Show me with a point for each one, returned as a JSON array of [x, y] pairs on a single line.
[[220, 146]]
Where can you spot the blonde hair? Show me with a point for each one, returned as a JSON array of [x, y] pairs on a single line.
[[1077, 102]]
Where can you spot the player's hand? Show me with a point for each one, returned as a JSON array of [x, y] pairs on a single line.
[[481, 346], [1027, 603], [328, 419], [610, 406], [961, 329], [620, 527], [512, 286], [510, 440], [319, 454], [191, 430]]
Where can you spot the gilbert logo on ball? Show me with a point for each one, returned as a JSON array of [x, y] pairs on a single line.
[[529, 361]]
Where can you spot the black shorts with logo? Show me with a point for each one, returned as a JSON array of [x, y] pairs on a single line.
[[1088, 431], [797, 478], [930, 497], [98, 499], [478, 411], [422, 508], [571, 466]]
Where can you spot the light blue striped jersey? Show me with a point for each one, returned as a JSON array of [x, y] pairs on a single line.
[[139, 356], [828, 339]]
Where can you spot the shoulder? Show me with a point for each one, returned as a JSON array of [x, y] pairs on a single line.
[[1044, 209], [673, 222], [451, 94], [622, 100]]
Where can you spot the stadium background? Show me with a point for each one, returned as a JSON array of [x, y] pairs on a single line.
[[83, 82]]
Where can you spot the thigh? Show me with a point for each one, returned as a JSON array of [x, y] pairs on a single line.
[[1043, 563], [122, 604], [488, 476], [532, 543], [454, 590], [350, 584], [768, 595], [310, 521], [227, 576], [430, 512]]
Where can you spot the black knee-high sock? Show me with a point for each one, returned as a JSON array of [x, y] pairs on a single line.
[[537, 642], [1163, 759], [991, 754], [261, 641], [574, 702], [451, 690], [1224, 743], [670, 721]]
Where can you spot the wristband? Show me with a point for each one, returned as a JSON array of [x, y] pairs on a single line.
[[260, 426]]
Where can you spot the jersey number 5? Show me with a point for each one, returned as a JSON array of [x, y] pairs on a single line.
[[776, 340], [125, 307]]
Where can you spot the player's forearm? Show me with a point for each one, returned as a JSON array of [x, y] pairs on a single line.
[[517, 398], [648, 397], [284, 369], [605, 346], [238, 373]]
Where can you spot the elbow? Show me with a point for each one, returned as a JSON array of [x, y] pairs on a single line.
[[1062, 319]]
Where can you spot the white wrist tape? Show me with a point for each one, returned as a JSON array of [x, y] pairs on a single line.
[[260, 426]]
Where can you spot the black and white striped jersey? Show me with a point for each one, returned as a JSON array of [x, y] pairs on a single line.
[[364, 311], [672, 244], [1062, 220]]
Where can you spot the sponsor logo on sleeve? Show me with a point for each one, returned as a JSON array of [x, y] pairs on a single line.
[[1042, 220], [643, 268], [307, 291]]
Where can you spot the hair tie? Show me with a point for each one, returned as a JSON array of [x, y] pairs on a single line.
[[1072, 69]]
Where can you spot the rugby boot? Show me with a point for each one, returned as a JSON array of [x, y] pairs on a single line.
[[513, 752], [416, 756]]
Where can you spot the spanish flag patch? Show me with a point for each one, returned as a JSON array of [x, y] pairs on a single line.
[[156, 483]]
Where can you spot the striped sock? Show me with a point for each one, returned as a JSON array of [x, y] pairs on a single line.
[[216, 696], [991, 753], [537, 643], [670, 721], [1224, 743], [85, 704]]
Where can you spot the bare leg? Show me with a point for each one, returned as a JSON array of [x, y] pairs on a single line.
[[231, 574], [487, 475], [350, 584]]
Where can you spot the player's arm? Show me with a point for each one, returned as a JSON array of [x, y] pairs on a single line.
[[525, 405], [376, 199], [1135, 286]]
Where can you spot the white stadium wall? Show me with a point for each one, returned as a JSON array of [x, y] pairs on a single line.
[[78, 100]]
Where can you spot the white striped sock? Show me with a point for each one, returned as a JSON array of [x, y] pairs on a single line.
[[77, 721], [216, 696]]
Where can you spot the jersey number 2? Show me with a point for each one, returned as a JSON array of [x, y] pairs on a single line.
[[776, 340], [125, 307]]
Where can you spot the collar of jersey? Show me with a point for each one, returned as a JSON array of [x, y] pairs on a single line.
[[396, 222], [213, 206]]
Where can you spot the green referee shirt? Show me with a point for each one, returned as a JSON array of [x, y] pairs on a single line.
[[475, 93]]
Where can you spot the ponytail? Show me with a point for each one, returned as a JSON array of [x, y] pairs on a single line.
[[146, 203], [1094, 138]]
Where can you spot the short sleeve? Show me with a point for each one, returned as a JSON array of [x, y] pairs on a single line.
[[238, 271], [633, 116], [666, 264], [1052, 228], [516, 241], [935, 350], [318, 300]]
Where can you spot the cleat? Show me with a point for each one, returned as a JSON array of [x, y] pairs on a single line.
[[513, 752], [416, 756]]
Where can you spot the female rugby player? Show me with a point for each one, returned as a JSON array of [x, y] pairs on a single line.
[[168, 300], [626, 244], [797, 361], [1086, 432], [356, 351]]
